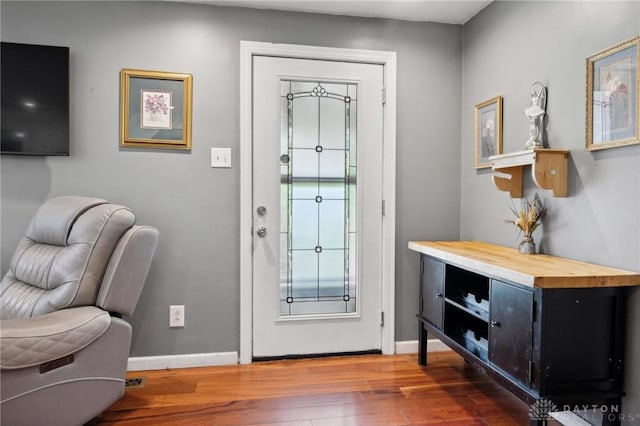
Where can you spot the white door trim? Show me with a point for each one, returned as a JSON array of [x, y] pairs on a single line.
[[249, 49]]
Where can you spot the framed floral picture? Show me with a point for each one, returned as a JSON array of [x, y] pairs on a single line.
[[488, 131], [155, 109], [613, 97]]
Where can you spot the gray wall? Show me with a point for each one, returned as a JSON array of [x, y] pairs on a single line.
[[506, 48], [196, 207]]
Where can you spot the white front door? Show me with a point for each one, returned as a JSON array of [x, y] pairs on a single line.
[[317, 206]]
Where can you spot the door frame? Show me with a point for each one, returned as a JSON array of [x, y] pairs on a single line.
[[249, 49]]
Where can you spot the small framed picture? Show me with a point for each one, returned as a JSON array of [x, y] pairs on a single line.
[[488, 131], [613, 96], [155, 109]]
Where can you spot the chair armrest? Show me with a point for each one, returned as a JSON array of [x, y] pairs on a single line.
[[25, 342]]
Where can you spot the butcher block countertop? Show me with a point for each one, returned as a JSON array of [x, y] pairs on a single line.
[[534, 270]]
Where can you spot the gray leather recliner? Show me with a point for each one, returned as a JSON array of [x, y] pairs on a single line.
[[64, 346]]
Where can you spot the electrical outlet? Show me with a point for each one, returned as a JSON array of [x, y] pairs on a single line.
[[176, 316]]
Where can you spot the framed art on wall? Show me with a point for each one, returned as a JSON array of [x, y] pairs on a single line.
[[155, 109], [487, 131], [613, 97]]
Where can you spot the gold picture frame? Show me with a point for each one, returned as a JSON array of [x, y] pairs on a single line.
[[155, 109], [487, 131], [613, 97]]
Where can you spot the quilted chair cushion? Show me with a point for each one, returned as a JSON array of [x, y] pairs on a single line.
[[61, 260], [26, 342]]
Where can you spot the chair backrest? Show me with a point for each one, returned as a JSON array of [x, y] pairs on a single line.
[[127, 270], [62, 259]]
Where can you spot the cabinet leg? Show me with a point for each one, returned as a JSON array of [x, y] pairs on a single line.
[[422, 344]]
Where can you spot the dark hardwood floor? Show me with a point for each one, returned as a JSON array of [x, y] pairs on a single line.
[[355, 390]]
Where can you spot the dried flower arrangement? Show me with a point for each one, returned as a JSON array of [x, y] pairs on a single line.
[[527, 220], [530, 217]]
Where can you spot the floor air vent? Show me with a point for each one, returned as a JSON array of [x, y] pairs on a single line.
[[134, 382]]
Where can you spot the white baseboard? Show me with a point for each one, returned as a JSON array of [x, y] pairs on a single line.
[[181, 361], [411, 346], [164, 362]]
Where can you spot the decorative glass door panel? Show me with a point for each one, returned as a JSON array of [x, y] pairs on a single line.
[[318, 243]]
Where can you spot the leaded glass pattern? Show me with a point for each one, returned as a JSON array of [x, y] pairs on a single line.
[[318, 170]]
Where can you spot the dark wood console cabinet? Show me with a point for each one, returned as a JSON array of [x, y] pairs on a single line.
[[546, 328]]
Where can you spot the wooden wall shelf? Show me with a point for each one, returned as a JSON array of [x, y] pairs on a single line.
[[548, 168]]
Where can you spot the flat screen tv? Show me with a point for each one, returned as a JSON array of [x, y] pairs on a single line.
[[35, 99]]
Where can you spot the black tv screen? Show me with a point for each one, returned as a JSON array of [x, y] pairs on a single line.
[[35, 99]]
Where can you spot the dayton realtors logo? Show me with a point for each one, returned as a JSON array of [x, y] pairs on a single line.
[[540, 409]]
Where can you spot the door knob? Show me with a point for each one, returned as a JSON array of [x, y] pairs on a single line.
[[261, 231]]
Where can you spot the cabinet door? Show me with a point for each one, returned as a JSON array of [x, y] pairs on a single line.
[[511, 331], [432, 290]]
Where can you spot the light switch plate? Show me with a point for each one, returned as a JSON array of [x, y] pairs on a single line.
[[176, 316], [221, 157]]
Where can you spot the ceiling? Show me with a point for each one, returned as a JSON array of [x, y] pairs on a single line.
[[444, 11]]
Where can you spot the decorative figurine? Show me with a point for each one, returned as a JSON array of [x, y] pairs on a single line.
[[535, 113]]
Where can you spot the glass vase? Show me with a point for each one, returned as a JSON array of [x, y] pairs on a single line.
[[527, 246]]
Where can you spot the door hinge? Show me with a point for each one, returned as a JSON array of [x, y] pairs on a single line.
[[383, 208], [381, 319], [384, 96]]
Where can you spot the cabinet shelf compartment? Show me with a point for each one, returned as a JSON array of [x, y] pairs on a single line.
[[468, 331], [468, 291], [481, 314]]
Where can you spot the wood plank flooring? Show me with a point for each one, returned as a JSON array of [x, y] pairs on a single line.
[[355, 390]]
